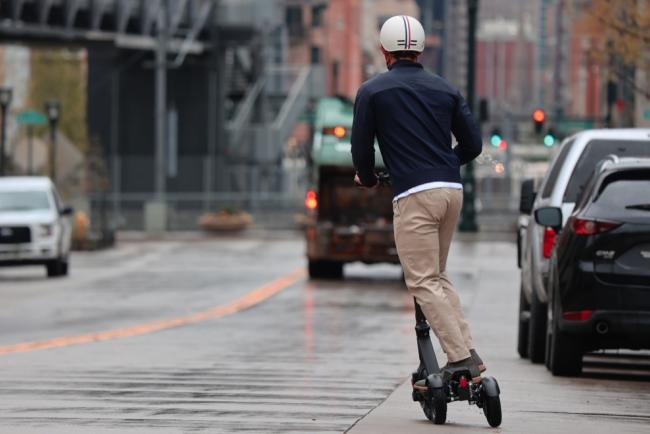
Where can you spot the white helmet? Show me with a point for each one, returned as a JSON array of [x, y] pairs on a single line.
[[402, 33]]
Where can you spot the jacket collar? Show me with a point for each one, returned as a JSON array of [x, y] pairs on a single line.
[[403, 63]]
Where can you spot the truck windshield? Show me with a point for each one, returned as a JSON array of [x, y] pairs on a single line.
[[24, 201]]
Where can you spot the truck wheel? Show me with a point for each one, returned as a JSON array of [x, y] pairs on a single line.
[[57, 268], [325, 269], [536, 330], [565, 354], [524, 320]]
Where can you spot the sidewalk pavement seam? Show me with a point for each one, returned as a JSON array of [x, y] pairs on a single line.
[[376, 406]]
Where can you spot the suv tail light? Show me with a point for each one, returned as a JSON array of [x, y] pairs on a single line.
[[311, 200], [549, 241], [582, 315], [591, 227]]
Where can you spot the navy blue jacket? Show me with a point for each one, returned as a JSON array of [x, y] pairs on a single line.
[[413, 114]]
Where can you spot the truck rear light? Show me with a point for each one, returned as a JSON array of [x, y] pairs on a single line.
[[548, 242], [582, 315], [311, 200], [591, 227], [337, 131]]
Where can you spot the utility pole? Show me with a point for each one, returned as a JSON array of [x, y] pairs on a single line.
[[53, 111], [468, 216], [6, 94], [558, 96], [156, 210], [541, 54], [161, 101]]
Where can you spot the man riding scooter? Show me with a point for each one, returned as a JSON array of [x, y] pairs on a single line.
[[413, 114]]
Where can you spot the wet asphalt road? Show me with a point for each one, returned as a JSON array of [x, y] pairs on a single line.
[[315, 356]]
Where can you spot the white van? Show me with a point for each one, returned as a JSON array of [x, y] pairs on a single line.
[[35, 228]]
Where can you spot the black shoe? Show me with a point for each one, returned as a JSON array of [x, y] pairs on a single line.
[[477, 360], [467, 364]]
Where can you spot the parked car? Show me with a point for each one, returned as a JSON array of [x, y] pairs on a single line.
[[599, 273], [566, 177], [34, 226]]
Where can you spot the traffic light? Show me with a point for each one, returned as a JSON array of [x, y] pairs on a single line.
[[539, 116], [495, 137], [550, 138]]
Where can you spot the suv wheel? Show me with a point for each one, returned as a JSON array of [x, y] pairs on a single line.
[[565, 354], [524, 320], [536, 330], [325, 269]]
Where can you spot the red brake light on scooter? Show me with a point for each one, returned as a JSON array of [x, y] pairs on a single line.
[[311, 200], [549, 241], [591, 227]]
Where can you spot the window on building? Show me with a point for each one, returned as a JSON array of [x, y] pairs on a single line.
[[315, 55], [317, 13], [293, 21], [335, 78]]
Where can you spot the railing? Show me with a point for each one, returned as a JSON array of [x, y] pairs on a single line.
[[272, 194], [264, 141]]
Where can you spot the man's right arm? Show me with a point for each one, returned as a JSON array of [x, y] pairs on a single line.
[[466, 131]]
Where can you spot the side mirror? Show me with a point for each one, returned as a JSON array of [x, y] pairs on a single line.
[[527, 197], [549, 216], [66, 211]]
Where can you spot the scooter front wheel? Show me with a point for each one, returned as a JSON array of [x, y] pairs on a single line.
[[435, 407]]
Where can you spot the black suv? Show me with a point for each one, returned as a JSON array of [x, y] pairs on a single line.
[[599, 274]]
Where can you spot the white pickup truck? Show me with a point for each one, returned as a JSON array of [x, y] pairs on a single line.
[[35, 228]]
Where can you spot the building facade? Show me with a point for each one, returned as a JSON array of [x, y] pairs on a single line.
[[327, 33]]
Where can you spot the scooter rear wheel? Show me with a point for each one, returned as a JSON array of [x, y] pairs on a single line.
[[435, 408], [492, 410], [491, 401]]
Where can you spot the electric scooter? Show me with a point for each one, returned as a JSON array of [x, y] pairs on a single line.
[[448, 385]]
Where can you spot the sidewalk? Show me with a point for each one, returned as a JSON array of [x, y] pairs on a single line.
[[533, 401]]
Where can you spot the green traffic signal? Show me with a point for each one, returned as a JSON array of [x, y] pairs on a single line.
[[495, 137], [549, 140]]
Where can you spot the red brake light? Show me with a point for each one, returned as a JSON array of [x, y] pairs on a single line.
[[591, 227], [337, 131], [582, 315], [311, 200], [549, 241]]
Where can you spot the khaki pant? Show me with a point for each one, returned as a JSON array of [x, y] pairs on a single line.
[[424, 224]]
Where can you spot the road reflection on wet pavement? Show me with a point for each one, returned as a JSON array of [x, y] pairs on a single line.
[[316, 356]]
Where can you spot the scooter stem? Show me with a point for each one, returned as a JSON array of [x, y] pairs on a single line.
[[425, 348]]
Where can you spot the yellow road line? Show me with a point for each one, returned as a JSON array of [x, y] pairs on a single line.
[[248, 300]]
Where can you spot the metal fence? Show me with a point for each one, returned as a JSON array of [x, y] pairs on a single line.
[[273, 195]]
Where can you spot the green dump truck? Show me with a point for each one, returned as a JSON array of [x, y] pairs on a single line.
[[345, 223]]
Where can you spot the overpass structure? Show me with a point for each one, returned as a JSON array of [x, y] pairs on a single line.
[[129, 24]]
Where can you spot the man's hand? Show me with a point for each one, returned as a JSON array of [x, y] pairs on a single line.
[[357, 181]]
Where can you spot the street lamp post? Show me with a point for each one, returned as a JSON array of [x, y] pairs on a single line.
[[468, 217], [5, 101], [53, 110], [30, 149]]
